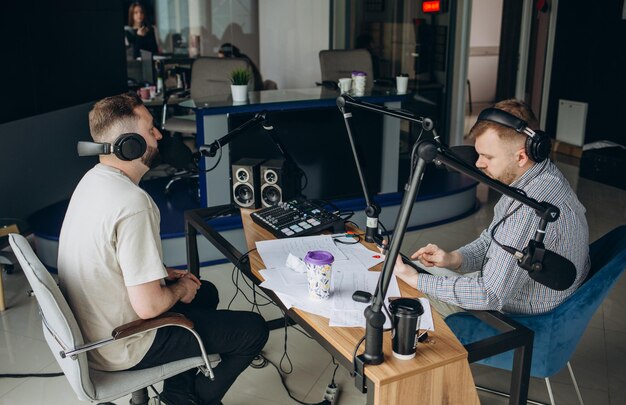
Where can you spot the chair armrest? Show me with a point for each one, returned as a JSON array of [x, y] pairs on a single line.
[[143, 325], [133, 328]]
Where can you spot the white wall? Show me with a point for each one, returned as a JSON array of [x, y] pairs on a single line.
[[291, 34], [482, 70]]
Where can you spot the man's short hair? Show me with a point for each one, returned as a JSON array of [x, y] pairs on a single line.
[[114, 112], [512, 106]]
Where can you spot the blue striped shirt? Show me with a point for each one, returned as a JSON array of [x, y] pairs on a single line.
[[503, 285]]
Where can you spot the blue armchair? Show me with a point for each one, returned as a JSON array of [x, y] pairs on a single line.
[[557, 332]]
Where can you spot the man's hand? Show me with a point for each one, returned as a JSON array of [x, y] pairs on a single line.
[[189, 288], [432, 255], [174, 274], [405, 272]]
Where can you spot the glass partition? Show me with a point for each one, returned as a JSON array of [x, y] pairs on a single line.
[[283, 39]]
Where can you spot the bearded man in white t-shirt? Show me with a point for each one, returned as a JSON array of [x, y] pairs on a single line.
[[111, 269]]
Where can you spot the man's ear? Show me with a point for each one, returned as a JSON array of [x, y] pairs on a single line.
[[521, 157]]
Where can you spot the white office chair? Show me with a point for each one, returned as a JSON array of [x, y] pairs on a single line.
[[209, 77], [69, 349]]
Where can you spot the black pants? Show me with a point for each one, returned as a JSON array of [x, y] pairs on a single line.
[[238, 336]]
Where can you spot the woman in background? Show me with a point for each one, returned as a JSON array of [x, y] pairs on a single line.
[[139, 33]]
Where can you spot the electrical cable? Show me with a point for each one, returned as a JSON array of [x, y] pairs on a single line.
[[282, 380], [285, 354], [219, 158], [235, 280], [385, 232], [356, 239], [356, 349], [27, 375], [493, 230], [255, 304], [356, 226], [336, 363]]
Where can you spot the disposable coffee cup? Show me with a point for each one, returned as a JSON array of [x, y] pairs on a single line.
[[402, 83], [319, 267], [405, 314], [345, 84], [358, 82]]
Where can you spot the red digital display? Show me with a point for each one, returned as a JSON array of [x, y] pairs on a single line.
[[431, 6]]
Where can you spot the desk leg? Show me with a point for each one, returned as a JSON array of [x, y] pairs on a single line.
[[2, 303], [520, 379], [193, 259]]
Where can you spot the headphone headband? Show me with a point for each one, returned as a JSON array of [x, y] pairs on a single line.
[[504, 118], [538, 144]]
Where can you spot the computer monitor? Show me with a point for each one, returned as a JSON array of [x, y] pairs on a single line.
[[147, 66]]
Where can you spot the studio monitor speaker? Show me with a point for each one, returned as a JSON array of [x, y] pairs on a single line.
[[279, 182], [246, 182]]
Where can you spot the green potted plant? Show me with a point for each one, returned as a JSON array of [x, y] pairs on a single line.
[[239, 79]]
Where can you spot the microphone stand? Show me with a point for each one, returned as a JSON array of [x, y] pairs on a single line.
[[427, 152], [211, 149], [372, 209]]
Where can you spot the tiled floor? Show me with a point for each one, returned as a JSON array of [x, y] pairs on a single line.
[[599, 361]]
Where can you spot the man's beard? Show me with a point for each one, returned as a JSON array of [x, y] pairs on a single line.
[[151, 155], [507, 177]]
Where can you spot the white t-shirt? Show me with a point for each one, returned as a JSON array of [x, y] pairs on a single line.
[[109, 241]]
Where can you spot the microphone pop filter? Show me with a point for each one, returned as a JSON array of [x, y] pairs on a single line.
[[557, 272], [91, 148]]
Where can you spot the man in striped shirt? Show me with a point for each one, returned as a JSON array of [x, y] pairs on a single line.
[[489, 277]]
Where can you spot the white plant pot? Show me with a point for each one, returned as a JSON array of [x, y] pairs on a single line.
[[239, 92]]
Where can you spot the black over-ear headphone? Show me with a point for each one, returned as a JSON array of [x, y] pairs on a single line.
[[128, 146], [538, 143]]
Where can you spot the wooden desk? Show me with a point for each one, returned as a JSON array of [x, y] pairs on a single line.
[[439, 373]]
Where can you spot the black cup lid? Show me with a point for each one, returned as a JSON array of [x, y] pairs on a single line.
[[406, 306]]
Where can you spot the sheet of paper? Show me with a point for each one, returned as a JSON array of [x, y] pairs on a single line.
[[347, 312], [342, 311], [360, 253], [294, 295], [275, 252], [426, 321]]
